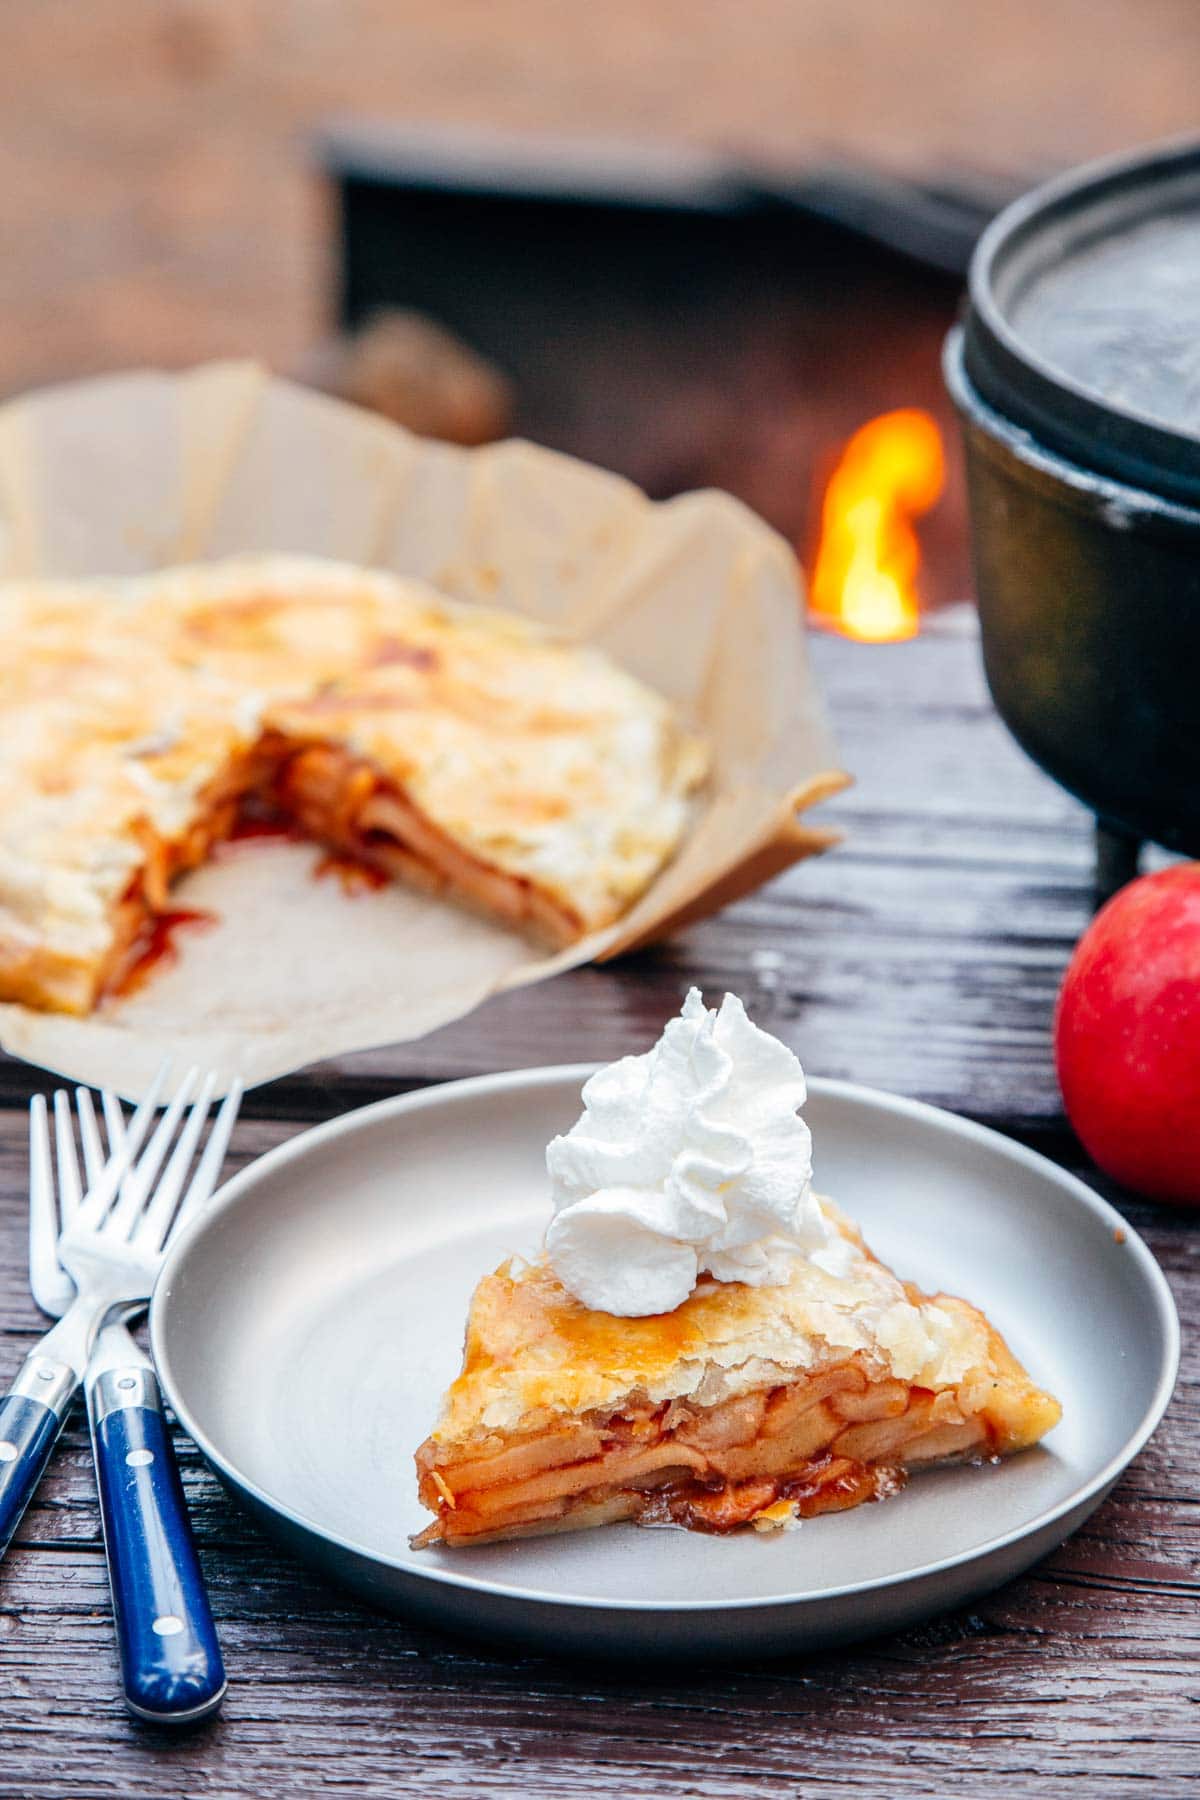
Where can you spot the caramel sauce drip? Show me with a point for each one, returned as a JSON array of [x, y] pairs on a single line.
[[154, 946], [254, 827]]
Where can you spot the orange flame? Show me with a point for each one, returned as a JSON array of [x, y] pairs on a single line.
[[864, 582]]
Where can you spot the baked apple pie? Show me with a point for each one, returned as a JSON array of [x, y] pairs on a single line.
[[454, 747], [744, 1405]]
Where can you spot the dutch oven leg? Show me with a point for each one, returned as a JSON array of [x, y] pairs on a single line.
[[1117, 858]]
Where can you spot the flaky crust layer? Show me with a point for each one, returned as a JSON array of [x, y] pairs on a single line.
[[533, 1353]]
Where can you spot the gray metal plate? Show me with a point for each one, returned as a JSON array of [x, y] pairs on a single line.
[[306, 1325]]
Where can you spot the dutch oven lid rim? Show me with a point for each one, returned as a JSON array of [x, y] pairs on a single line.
[[1023, 386]]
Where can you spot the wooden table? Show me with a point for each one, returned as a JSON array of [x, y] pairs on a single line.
[[922, 956]]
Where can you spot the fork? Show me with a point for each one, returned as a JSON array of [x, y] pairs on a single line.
[[157, 1584], [107, 1258]]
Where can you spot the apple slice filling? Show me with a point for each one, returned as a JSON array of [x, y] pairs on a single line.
[[828, 1441]]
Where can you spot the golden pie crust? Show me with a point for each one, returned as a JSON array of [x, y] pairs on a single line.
[[455, 747], [745, 1406]]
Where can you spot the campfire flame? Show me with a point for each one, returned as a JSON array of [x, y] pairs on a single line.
[[864, 582]]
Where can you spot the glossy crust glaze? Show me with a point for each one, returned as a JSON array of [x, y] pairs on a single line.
[[451, 746], [744, 1405]]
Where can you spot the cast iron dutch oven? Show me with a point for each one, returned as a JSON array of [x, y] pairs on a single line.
[[1076, 373]]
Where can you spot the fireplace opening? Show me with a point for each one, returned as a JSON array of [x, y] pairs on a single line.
[[689, 322]]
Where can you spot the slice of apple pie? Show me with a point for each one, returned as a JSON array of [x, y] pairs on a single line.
[[742, 1406]]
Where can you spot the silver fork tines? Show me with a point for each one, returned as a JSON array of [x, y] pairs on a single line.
[[118, 1212], [119, 1205], [70, 1192], [52, 1287], [48, 1216]]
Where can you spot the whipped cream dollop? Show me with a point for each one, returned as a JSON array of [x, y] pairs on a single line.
[[687, 1161]]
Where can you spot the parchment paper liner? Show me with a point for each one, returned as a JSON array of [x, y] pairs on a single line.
[[694, 595]]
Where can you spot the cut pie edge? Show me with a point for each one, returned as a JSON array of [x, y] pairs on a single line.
[[343, 803]]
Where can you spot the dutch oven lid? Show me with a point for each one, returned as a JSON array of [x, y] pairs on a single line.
[[1084, 318]]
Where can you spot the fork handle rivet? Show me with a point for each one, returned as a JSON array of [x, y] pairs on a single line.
[[50, 1382], [8, 1452]]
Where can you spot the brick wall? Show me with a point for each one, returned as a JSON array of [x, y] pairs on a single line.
[[155, 203]]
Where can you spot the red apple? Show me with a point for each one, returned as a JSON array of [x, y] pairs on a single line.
[[1127, 1036]]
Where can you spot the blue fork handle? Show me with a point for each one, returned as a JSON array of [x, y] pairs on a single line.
[[31, 1417], [171, 1666]]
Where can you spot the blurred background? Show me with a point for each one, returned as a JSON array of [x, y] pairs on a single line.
[[697, 241]]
